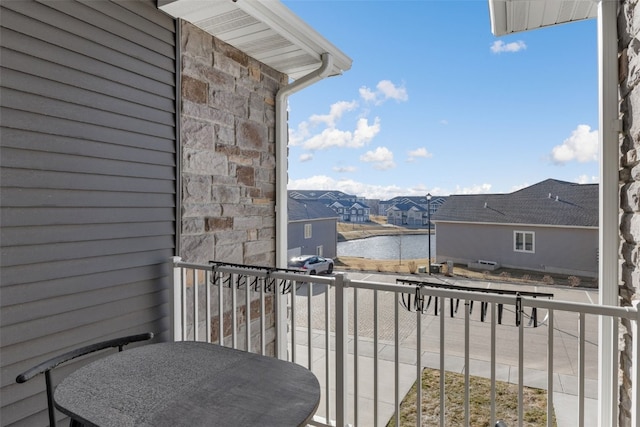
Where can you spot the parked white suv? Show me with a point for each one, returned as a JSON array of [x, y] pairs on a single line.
[[312, 264]]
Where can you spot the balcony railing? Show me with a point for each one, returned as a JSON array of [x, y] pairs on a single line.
[[368, 342]]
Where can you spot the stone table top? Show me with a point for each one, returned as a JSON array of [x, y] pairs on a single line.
[[189, 384]]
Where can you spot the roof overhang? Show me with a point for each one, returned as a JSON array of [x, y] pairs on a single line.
[[264, 29], [514, 16]]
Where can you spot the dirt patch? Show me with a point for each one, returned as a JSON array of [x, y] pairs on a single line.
[[507, 275]]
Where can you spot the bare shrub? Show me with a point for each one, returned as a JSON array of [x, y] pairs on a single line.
[[574, 281], [526, 277], [486, 274], [505, 274], [379, 268], [548, 280], [412, 267], [360, 267]]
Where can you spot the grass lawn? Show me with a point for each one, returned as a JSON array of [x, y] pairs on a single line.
[[535, 406]]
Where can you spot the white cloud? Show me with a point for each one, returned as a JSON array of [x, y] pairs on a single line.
[[381, 192], [581, 146], [500, 46], [385, 89], [391, 91], [381, 157], [586, 179], [419, 153], [335, 113], [349, 186], [305, 157], [444, 122], [344, 169], [474, 189], [331, 137]]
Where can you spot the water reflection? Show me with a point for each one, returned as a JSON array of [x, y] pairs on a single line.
[[409, 246]]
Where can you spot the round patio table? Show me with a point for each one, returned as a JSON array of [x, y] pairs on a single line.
[[189, 384]]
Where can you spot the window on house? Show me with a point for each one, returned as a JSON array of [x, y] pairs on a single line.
[[524, 241], [307, 231]]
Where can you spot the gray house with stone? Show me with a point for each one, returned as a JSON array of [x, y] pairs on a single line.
[[312, 229], [551, 227], [133, 131]]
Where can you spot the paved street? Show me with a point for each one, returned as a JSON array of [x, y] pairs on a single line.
[[566, 344]]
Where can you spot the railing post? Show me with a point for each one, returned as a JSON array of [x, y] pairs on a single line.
[[341, 349], [635, 359], [281, 322], [176, 303]]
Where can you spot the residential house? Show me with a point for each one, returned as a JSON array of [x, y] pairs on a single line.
[[551, 226], [312, 229], [410, 214], [133, 131], [348, 207], [402, 204]]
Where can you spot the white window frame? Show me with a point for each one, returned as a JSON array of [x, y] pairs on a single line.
[[308, 232], [524, 244], [319, 250]]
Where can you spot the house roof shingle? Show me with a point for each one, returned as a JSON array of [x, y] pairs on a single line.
[[308, 209], [550, 202]]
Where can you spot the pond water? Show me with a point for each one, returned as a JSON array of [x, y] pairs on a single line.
[[408, 246]]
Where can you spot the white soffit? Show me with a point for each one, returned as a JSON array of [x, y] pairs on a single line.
[[514, 16], [264, 29]]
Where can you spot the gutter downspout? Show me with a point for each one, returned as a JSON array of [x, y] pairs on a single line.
[[282, 139]]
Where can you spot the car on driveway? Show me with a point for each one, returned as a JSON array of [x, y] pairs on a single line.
[[312, 264]]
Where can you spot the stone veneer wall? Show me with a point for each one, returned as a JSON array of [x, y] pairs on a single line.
[[629, 93], [228, 158]]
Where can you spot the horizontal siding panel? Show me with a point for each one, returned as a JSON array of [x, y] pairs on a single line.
[[82, 114], [41, 160], [42, 309], [125, 32], [141, 9], [67, 319], [25, 178], [33, 85], [25, 274], [31, 66], [46, 24], [153, 270], [13, 40], [36, 254], [119, 319], [161, 152], [27, 217], [62, 198], [20, 236], [25, 120]]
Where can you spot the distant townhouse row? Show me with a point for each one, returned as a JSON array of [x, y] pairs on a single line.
[[348, 207], [410, 210], [401, 210]]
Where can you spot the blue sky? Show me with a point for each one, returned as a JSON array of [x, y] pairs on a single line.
[[434, 102]]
